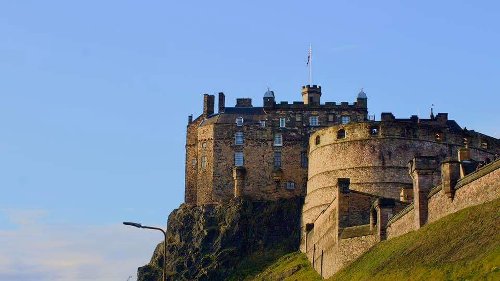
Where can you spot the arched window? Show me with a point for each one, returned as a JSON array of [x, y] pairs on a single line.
[[317, 141], [438, 137], [341, 134]]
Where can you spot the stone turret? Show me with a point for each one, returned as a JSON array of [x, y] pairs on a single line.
[[311, 94], [424, 172], [269, 100], [362, 100]]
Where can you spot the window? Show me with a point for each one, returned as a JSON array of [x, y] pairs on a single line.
[[239, 121], [374, 131], [438, 137], [193, 163], [317, 141], [238, 159], [278, 140], [345, 119], [282, 122], [262, 124], [466, 142], [331, 117], [298, 117], [484, 145], [290, 185], [204, 145], [277, 159], [238, 138], [313, 121], [203, 162], [344, 185], [341, 134], [303, 159]]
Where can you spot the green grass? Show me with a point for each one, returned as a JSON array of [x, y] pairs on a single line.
[[291, 267], [461, 246]]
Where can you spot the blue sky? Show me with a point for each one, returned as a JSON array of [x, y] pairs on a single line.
[[94, 99]]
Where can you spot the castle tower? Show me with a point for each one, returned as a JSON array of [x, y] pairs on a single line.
[[269, 99], [362, 100], [311, 94]]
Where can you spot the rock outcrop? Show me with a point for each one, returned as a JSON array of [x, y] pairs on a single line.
[[207, 242]]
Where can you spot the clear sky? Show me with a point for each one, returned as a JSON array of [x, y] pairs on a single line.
[[94, 99]]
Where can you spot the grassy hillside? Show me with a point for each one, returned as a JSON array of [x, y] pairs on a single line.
[[461, 246]]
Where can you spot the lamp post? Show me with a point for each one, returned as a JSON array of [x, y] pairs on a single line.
[[138, 225]]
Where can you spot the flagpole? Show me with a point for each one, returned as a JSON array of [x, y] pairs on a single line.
[[310, 64]]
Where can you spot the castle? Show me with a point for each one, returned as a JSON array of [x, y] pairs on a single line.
[[363, 180], [258, 152]]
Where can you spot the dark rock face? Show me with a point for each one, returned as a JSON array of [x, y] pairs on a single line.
[[207, 242]]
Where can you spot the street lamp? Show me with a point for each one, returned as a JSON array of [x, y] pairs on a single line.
[[138, 225]]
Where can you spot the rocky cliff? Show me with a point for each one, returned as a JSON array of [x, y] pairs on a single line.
[[208, 242]]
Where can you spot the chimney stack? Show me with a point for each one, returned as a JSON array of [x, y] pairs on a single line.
[[222, 102], [208, 104]]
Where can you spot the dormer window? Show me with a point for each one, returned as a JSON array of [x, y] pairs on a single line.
[[239, 121], [282, 122]]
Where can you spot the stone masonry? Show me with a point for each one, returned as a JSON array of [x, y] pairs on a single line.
[[258, 152]]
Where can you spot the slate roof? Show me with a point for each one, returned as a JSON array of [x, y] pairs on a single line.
[[249, 114]]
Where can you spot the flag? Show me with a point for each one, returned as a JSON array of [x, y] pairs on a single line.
[[309, 56]]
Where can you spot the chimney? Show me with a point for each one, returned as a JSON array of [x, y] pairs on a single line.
[[423, 171], [244, 102], [208, 104], [222, 102], [190, 119], [387, 116]]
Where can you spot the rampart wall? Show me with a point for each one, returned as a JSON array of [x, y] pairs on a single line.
[[375, 163], [340, 232], [476, 188], [473, 189], [403, 223]]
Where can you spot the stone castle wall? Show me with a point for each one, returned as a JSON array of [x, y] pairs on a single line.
[[404, 224], [340, 233], [211, 147], [375, 163], [474, 189]]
